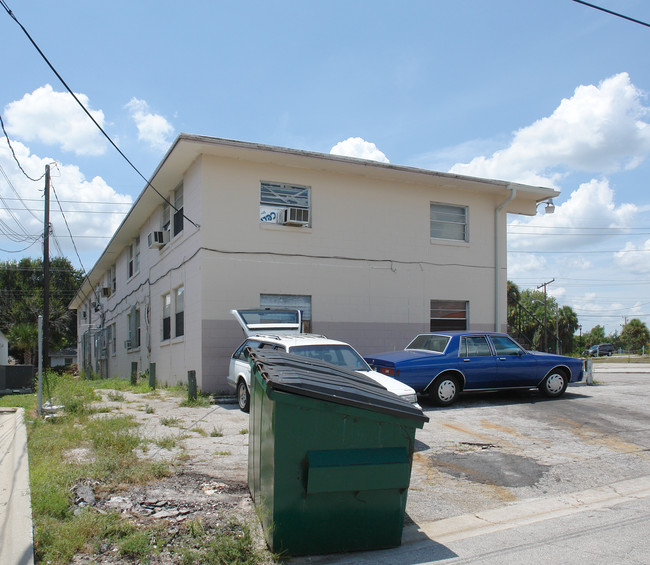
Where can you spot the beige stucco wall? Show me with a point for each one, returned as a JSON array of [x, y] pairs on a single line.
[[367, 260]]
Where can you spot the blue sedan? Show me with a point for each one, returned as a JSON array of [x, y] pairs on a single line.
[[443, 364]]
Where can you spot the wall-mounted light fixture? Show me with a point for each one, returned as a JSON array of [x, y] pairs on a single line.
[[549, 208]]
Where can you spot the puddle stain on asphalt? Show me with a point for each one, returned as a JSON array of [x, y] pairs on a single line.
[[491, 467], [593, 436]]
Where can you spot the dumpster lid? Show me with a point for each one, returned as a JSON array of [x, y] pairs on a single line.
[[323, 381]]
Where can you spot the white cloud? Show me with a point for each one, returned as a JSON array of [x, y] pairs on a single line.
[[359, 148], [55, 118], [524, 265], [599, 129], [153, 129], [90, 223], [580, 222], [635, 258]]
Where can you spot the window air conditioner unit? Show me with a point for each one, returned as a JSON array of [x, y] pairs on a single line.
[[127, 344], [157, 238], [294, 217], [106, 291]]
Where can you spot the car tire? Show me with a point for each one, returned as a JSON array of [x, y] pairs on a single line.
[[554, 384], [243, 396], [444, 390]]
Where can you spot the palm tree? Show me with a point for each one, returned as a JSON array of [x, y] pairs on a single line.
[[24, 336]]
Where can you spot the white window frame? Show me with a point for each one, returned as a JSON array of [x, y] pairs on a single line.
[[166, 313], [448, 222], [179, 310], [133, 258]]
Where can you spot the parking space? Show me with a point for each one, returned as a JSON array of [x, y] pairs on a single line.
[[498, 448]]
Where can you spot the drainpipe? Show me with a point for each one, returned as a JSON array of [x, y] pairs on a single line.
[[497, 257]]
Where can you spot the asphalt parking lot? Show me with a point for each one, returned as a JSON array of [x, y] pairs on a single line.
[[518, 462]]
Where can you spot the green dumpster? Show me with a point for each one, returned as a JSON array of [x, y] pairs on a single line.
[[330, 455]]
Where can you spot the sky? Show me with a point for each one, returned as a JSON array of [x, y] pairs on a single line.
[[551, 93]]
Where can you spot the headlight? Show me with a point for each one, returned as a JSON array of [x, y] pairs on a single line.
[[411, 398]]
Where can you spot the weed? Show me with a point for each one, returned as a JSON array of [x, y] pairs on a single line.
[[201, 401], [115, 396], [170, 422], [167, 442], [222, 453], [244, 431], [137, 545], [200, 431], [149, 409], [216, 432]]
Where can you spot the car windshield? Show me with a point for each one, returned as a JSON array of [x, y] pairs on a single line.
[[262, 316], [341, 355], [435, 343]]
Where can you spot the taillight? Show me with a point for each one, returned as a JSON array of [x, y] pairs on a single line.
[[388, 371]]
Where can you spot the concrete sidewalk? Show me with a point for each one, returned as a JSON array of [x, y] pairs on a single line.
[[16, 540]]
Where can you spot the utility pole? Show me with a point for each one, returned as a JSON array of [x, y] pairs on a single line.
[[545, 314], [46, 271]]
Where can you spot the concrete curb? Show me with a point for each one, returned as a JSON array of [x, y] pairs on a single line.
[[527, 512], [16, 539]]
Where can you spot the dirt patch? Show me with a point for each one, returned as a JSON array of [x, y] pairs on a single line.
[[206, 449]]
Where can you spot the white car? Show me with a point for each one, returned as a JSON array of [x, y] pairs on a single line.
[[281, 331]]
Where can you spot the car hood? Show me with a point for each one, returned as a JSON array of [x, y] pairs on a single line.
[[389, 383]]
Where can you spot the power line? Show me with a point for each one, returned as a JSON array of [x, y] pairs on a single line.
[[12, 149], [612, 13], [101, 129]]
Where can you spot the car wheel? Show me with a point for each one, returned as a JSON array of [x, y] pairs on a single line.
[[444, 390], [554, 384], [243, 396]]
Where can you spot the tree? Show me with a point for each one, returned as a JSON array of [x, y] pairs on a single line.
[[635, 335], [527, 311], [21, 300], [595, 336], [24, 336]]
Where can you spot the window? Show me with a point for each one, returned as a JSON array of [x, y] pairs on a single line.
[[179, 309], [505, 346], [166, 317], [474, 346], [448, 315], [449, 222], [133, 322], [178, 214], [113, 338], [133, 266], [284, 203], [113, 278], [164, 225]]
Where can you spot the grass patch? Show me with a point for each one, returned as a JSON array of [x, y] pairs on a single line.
[[115, 396], [222, 453], [216, 432], [201, 401], [61, 530], [167, 442], [170, 422], [244, 431], [26, 401]]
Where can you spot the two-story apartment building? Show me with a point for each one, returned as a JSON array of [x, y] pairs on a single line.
[[370, 252]]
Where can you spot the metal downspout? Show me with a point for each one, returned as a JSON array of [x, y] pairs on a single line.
[[497, 257]]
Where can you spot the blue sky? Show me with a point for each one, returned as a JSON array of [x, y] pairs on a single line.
[[546, 92]]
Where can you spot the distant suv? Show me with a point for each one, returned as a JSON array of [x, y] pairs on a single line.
[[600, 350], [282, 332]]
